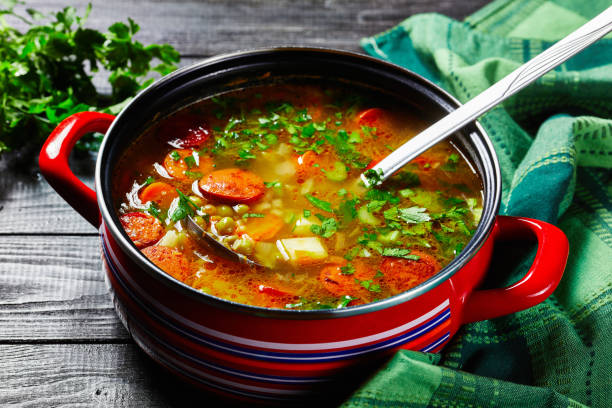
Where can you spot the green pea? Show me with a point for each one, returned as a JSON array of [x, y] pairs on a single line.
[[196, 200], [244, 245], [225, 210], [225, 226], [230, 239], [200, 221], [241, 209], [209, 209]]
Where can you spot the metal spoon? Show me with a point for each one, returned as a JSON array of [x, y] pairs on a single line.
[[554, 56], [212, 242]]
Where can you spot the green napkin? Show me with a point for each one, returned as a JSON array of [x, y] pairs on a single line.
[[554, 142]]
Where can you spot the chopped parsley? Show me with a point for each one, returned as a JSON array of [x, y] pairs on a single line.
[[155, 211], [400, 253], [193, 174], [327, 228], [320, 204], [273, 184], [253, 215], [369, 285], [374, 176], [412, 215], [149, 180], [190, 161], [175, 155], [349, 269], [184, 207], [346, 299]]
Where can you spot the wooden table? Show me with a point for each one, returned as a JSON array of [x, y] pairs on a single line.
[[60, 341]]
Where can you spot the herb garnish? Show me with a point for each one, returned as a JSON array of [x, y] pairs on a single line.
[[349, 269], [400, 253], [327, 229], [44, 74], [318, 203], [183, 208], [253, 215], [410, 215]]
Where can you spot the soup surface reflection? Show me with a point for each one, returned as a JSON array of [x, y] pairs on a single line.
[[273, 171]]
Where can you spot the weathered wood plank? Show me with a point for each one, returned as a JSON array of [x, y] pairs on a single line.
[[29, 205], [213, 27], [98, 375], [53, 289]]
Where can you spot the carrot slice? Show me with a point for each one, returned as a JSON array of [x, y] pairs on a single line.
[[262, 229], [341, 284], [381, 120], [143, 229], [269, 290], [160, 193], [175, 164], [184, 131], [233, 186], [169, 260], [401, 274], [273, 297], [370, 117]]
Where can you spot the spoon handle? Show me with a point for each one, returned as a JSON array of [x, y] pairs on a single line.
[[558, 53]]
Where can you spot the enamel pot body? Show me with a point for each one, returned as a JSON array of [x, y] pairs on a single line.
[[278, 355]]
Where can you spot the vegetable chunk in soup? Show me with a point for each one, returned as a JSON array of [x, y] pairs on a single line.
[[273, 171]]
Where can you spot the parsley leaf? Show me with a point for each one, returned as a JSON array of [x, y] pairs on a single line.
[[155, 211], [175, 155], [318, 203], [183, 208], [346, 299], [253, 215], [372, 287], [412, 215], [327, 228], [349, 269], [400, 253]]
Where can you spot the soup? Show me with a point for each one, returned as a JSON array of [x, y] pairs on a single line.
[[273, 172]]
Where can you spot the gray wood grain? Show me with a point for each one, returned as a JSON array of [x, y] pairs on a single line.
[[53, 289], [204, 28], [91, 375]]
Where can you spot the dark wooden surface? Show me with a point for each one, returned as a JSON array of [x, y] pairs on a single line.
[[60, 341]]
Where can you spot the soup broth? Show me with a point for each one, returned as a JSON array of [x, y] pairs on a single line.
[[273, 171]]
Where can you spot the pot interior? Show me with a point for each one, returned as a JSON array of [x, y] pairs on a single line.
[[243, 70]]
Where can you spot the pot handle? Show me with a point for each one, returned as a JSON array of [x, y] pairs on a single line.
[[539, 282], [53, 161]]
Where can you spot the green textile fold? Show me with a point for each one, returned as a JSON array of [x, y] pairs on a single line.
[[554, 143]]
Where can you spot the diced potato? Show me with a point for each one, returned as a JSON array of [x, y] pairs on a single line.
[[284, 149], [285, 169], [302, 225], [173, 239], [267, 254], [302, 251], [367, 217], [307, 186]]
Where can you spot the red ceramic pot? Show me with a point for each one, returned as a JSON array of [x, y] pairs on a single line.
[[270, 354]]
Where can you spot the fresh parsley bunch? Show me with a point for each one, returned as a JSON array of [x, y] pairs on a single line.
[[46, 71]]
